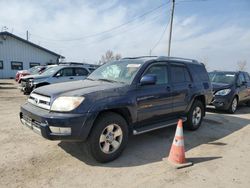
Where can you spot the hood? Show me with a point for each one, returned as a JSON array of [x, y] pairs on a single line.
[[34, 76], [219, 86], [22, 71], [77, 88]]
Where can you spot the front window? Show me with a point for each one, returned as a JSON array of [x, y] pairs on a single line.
[[51, 71], [222, 77], [117, 71]]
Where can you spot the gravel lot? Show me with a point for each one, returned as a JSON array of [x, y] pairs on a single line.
[[220, 150]]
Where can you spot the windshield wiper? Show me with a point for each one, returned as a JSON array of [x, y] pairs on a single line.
[[106, 80], [89, 79]]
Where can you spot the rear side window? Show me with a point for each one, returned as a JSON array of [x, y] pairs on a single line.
[[199, 72], [179, 74], [81, 72]]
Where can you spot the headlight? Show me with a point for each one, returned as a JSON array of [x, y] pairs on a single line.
[[65, 104], [223, 92], [31, 82]]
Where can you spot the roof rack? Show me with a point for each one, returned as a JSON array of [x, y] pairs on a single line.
[[71, 63], [178, 58], [139, 57]]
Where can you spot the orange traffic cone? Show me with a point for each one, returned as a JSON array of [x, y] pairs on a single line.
[[177, 152]]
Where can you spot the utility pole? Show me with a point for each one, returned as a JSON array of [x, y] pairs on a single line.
[[171, 25], [27, 35]]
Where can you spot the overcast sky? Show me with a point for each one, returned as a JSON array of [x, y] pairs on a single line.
[[214, 31]]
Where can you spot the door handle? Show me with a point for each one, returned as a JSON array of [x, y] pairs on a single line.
[[71, 78], [190, 85]]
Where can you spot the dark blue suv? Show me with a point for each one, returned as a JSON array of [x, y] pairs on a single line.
[[230, 88], [132, 95]]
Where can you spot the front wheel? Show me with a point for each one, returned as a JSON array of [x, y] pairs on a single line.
[[233, 106], [195, 116], [108, 137]]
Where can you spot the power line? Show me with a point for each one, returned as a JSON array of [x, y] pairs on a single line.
[[162, 35], [111, 29]]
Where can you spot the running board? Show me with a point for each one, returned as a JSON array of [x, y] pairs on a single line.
[[156, 126]]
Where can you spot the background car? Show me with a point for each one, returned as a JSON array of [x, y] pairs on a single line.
[[230, 89], [33, 70], [56, 74]]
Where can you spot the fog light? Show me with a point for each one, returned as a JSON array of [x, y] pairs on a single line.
[[60, 130]]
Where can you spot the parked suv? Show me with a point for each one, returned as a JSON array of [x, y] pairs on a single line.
[[132, 95], [56, 74], [230, 89]]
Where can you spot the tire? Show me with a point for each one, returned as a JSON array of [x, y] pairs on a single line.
[[103, 144], [233, 106], [248, 103], [196, 111]]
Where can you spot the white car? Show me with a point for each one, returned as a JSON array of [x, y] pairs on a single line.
[[57, 74]]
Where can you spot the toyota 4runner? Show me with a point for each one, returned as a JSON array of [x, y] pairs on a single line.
[[132, 95]]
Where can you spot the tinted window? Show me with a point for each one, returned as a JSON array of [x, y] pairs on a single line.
[[179, 74], [66, 72], [199, 72], [1, 64], [81, 72], [247, 77], [161, 73], [16, 65], [241, 78]]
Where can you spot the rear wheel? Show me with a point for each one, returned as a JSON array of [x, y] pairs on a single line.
[[195, 116], [108, 137], [233, 106]]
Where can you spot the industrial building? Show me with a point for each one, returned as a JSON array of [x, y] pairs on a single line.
[[17, 53]]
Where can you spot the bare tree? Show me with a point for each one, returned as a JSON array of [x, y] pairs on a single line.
[[109, 56], [204, 60], [242, 65]]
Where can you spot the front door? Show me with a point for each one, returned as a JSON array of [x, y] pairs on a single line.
[[243, 87], [154, 101], [63, 75]]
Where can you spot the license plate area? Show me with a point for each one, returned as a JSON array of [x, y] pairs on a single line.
[[32, 124]]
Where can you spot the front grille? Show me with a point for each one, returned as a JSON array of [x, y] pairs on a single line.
[[24, 83], [39, 100]]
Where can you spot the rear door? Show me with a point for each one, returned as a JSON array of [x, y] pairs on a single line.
[[154, 101], [181, 85]]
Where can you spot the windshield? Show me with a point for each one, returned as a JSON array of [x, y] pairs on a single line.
[[222, 77], [51, 71], [117, 71], [34, 70]]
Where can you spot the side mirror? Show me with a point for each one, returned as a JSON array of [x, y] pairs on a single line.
[[58, 74], [149, 79]]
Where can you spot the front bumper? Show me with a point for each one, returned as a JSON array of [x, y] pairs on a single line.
[[221, 102], [26, 87], [40, 120]]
